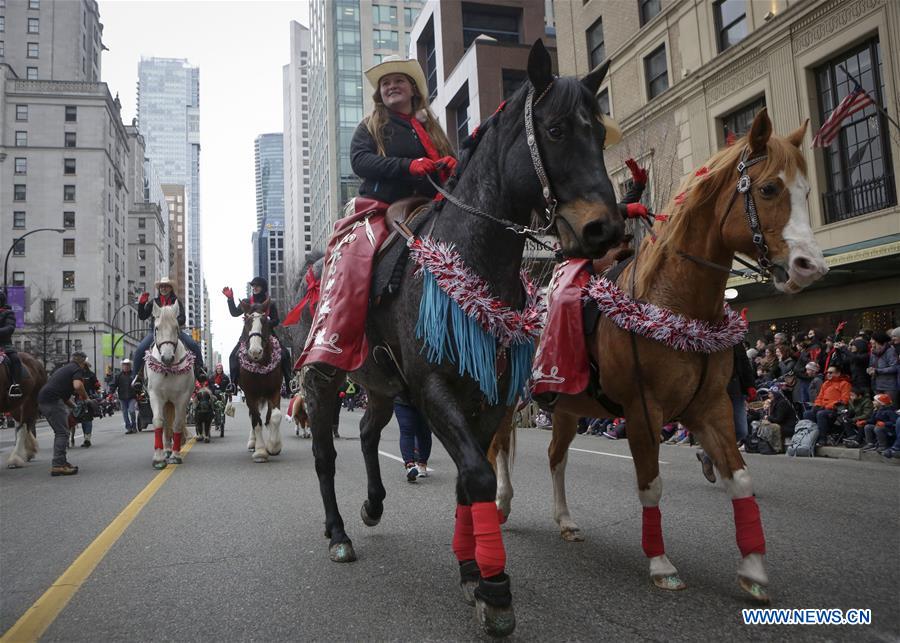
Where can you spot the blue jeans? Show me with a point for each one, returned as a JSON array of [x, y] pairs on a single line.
[[415, 436], [147, 342], [823, 418], [128, 410], [739, 409]]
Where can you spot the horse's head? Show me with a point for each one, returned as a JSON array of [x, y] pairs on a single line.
[[778, 191], [256, 328], [569, 131], [165, 331]]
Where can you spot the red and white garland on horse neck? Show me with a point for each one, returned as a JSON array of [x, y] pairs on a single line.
[[180, 367], [261, 369]]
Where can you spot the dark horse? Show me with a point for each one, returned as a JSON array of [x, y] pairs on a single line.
[[23, 409], [261, 380], [501, 177]]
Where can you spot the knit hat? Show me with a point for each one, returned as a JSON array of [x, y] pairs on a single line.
[[812, 366], [752, 353], [883, 398]]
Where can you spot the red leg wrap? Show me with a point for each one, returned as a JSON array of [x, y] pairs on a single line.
[[489, 552], [463, 538], [651, 533], [748, 526], [500, 516], [176, 442], [158, 440]]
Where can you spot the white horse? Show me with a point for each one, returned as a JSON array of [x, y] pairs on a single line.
[[170, 383]]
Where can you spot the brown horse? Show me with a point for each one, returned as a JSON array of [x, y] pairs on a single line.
[[684, 270], [259, 357], [23, 409]]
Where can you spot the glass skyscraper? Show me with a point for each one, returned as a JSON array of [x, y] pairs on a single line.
[[268, 152]]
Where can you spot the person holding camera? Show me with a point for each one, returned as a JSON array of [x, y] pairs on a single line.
[[54, 401]]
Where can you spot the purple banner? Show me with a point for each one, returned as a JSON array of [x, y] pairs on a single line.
[[15, 297]]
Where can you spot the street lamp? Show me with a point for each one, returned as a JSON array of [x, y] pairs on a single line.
[[93, 329], [15, 243], [112, 352]]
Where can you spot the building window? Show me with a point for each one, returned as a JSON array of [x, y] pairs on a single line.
[[648, 10], [142, 255], [501, 23], [737, 123], [462, 119], [21, 112], [21, 139], [68, 247], [386, 39], [2, 24], [80, 309], [19, 248], [408, 17], [596, 48], [34, 4], [142, 223], [68, 219], [384, 14], [2, 48], [76, 344], [731, 22], [142, 238], [31, 73], [142, 271], [18, 278], [34, 50], [70, 139], [19, 192], [860, 177], [68, 193], [68, 166], [34, 25], [656, 72], [49, 310], [18, 219], [21, 165], [71, 113], [428, 52], [68, 280], [603, 101]]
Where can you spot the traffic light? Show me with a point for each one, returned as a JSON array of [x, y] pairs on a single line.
[[195, 333]]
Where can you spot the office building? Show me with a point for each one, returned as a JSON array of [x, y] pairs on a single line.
[[177, 206]]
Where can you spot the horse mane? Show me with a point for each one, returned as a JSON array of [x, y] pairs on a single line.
[[700, 191]]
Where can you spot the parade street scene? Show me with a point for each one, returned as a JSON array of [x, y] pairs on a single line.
[[378, 320]]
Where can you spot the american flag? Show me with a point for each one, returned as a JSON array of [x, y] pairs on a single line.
[[854, 101]]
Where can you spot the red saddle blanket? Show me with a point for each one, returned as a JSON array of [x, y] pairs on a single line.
[[561, 364], [338, 336]]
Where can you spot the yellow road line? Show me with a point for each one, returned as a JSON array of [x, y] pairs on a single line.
[[35, 621]]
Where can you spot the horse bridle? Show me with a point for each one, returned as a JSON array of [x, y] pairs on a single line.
[[764, 267], [550, 201], [159, 344]]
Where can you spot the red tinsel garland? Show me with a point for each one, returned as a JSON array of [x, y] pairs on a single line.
[[663, 325], [249, 365], [183, 365], [473, 295]]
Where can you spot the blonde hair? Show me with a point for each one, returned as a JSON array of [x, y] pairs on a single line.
[[380, 116]]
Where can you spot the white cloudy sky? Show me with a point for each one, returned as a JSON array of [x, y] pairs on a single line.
[[240, 47]]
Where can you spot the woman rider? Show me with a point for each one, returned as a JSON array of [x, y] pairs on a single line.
[[7, 328], [394, 151], [260, 294], [165, 297]]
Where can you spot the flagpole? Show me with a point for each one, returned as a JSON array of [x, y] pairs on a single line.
[[874, 100]]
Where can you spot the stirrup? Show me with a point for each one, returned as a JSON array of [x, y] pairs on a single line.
[[15, 391]]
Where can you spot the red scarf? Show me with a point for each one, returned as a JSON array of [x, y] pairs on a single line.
[[422, 133]]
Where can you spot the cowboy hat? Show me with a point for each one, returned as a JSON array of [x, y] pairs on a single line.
[[394, 64], [165, 281], [613, 131], [126, 361]]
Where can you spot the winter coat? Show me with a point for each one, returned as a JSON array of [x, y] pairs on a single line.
[[782, 413], [785, 367], [861, 408], [885, 365], [886, 414], [833, 392], [859, 362], [815, 385], [742, 376], [387, 178], [7, 326], [145, 310], [122, 385], [237, 311]]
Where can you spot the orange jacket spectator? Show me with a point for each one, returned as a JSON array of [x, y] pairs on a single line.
[[835, 390]]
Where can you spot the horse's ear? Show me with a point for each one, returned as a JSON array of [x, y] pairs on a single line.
[[245, 306], [760, 132], [795, 138], [592, 80], [540, 66], [156, 309]]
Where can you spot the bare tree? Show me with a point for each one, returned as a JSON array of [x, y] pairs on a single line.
[[46, 328]]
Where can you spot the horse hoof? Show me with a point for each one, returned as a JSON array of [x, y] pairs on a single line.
[[275, 452], [260, 459], [29, 458], [572, 535], [670, 582], [174, 459], [757, 592], [497, 622], [342, 553], [206, 440], [14, 465], [367, 518], [159, 465]]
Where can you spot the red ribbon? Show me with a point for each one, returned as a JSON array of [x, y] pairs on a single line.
[[311, 297]]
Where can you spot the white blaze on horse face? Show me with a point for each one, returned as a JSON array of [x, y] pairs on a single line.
[[166, 327], [805, 263], [255, 348]]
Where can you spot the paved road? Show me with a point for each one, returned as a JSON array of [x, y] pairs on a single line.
[[229, 550]]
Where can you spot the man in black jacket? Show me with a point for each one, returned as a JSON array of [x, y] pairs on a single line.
[[125, 392], [260, 293], [7, 328]]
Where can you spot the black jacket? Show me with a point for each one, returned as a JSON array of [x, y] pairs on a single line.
[[387, 178], [145, 310], [742, 377], [7, 326], [122, 385], [782, 413], [274, 319]]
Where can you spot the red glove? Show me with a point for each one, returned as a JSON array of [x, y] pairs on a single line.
[[751, 394], [638, 174], [636, 211], [422, 167], [879, 423], [145, 297], [860, 423], [228, 292], [446, 165]]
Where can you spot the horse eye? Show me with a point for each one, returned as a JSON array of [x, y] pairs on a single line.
[[555, 131], [768, 190]]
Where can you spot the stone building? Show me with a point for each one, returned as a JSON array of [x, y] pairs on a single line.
[[685, 77]]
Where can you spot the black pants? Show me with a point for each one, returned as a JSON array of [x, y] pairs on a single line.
[[15, 364]]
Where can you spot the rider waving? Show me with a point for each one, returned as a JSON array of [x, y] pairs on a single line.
[[165, 297], [7, 328], [260, 294]]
